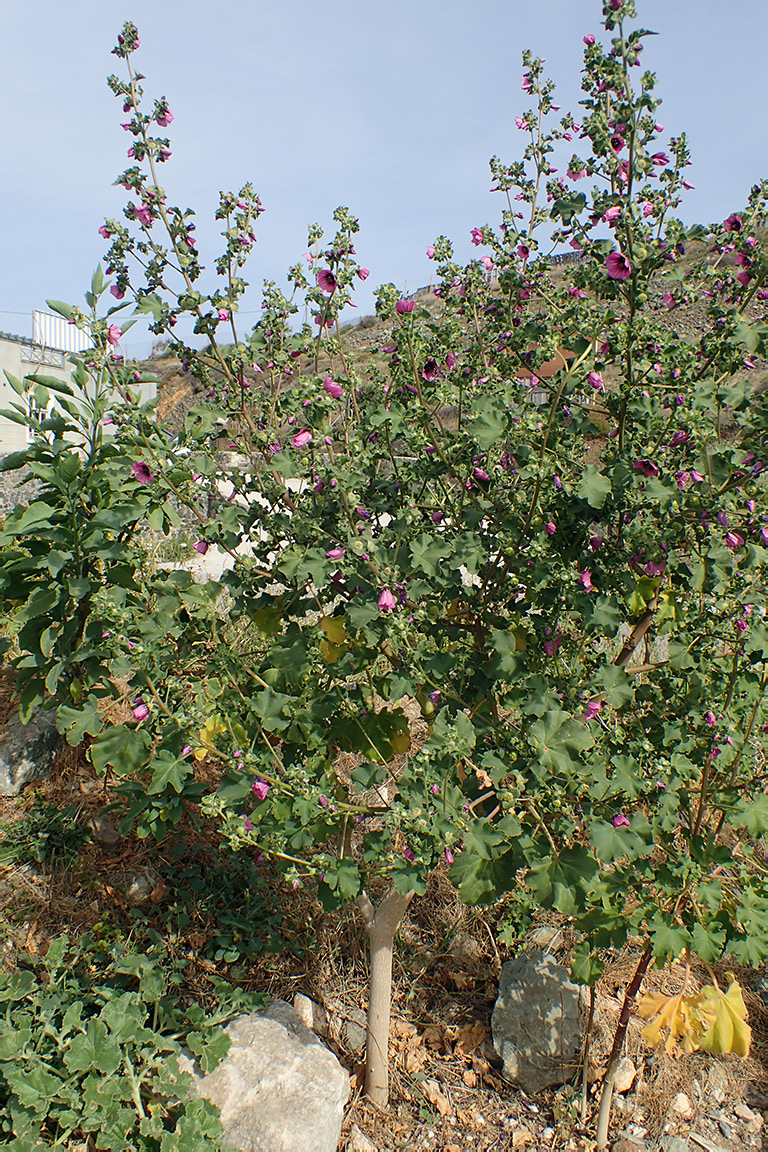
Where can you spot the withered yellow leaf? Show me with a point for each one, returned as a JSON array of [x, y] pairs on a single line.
[[724, 1016], [334, 629]]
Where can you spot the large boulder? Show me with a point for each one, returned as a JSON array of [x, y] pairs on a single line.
[[279, 1088], [27, 751], [537, 1022]]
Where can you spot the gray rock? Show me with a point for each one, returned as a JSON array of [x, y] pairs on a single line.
[[673, 1144], [27, 751], [279, 1088], [537, 1022], [103, 831]]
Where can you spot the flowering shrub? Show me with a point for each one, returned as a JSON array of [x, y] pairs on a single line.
[[572, 593]]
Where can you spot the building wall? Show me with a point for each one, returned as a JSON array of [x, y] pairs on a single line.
[[24, 357]]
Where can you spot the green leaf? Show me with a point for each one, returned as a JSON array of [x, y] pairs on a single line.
[[169, 771], [613, 844], [124, 749], [594, 486], [65, 310], [209, 1047], [95, 1049], [555, 737], [490, 423], [752, 813]]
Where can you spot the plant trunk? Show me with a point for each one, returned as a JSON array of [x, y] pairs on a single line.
[[381, 925], [606, 1096]]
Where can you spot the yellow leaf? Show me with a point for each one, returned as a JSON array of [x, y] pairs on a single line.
[[330, 652], [724, 1015], [673, 1014], [334, 629], [214, 726], [200, 753], [400, 742]]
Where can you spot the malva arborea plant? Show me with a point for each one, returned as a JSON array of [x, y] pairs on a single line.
[[571, 593]]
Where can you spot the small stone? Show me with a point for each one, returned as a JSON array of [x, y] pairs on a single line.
[[359, 1142], [625, 1075], [354, 1032], [673, 1144], [717, 1095], [627, 1145], [700, 1141], [312, 1015], [140, 889], [755, 1126], [744, 1113], [725, 1129], [682, 1106], [103, 831]]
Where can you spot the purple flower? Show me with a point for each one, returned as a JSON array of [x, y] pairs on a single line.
[[448, 857], [144, 216], [142, 472], [223, 314], [186, 750], [732, 223], [595, 379], [105, 232], [363, 273], [113, 334], [326, 281], [430, 371], [260, 789], [481, 475], [408, 854], [201, 546], [387, 601], [301, 439], [140, 712], [335, 553], [362, 513], [165, 118], [596, 542], [660, 159], [680, 437], [438, 517], [332, 388], [612, 215], [669, 300], [589, 39], [117, 292], [550, 527], [647, 467], [618, 267], [593, 707], [620, 821], [477, 236], [450, 360], [733, 540], [403, 307], [322, 801], [434, 789]]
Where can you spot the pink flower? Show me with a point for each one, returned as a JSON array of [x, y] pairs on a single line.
[[113, 334], [117, 292], [165, 118], [595, 380], [142, 473], [335, 553], [431, 252], [481, 475], [732, 223], [647, 467], [403, 307], [430, 371], [596, 542], [710, 718], [332, 388], [660, 159], [140, 712], [550, 527], [387, 601], [301, 439], [326, 281], [520, 122], [105, 232], [409, 855], [585, 578], [612, 215], [477, 236], [733, 540], [669, 300], [248, 824], [186, 750], [223, 314], [363, 273], [144, 216], [260, 789], [487, 263], [589, 39], [620, 821], [593, 707], [618, 267], [448, 857], [201, 546], [450, 360]]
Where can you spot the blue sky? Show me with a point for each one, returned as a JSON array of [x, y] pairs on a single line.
[[390, 109]]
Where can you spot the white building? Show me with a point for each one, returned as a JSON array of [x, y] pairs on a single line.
[[47, 353]]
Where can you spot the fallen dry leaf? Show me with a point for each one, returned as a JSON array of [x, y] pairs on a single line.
[[521, 1137], [431, 1090], [460, 980], [471, 1036], [470, 1078]]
